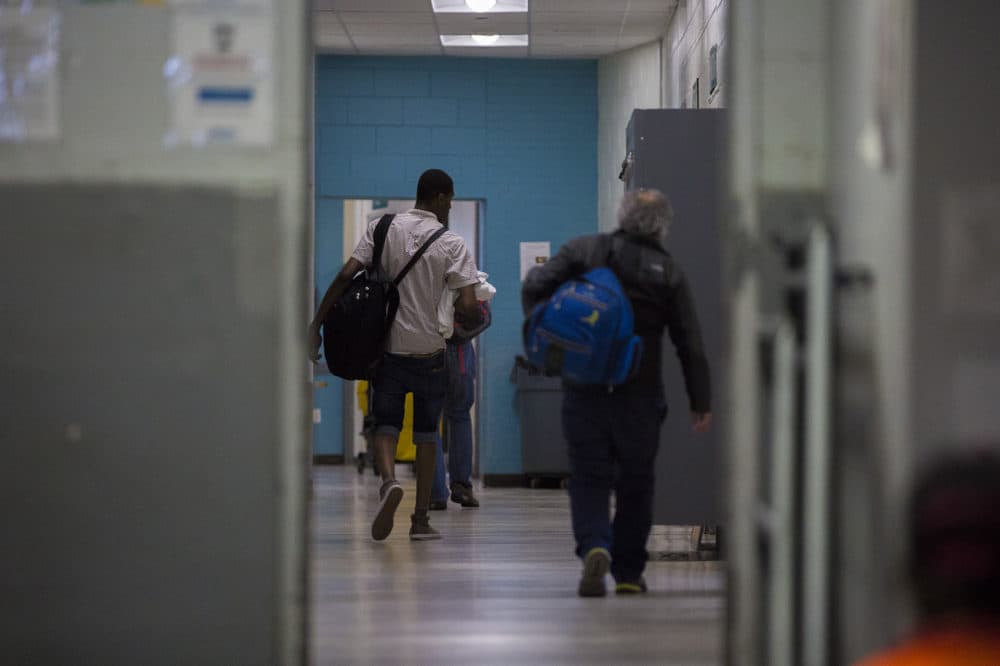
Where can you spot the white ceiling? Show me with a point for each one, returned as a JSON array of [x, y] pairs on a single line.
[[556, 28]]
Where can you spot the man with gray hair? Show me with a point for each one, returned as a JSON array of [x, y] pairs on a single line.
[[613, 435]]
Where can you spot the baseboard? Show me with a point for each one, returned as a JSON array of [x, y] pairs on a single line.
[[505, 480], [328, 459]]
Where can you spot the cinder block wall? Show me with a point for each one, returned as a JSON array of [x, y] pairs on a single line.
[[519, 134]]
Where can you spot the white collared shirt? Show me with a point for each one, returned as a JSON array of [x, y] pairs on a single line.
[[447, 263]]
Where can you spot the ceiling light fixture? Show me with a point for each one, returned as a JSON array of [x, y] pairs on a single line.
[[480, 5], [485, 40]]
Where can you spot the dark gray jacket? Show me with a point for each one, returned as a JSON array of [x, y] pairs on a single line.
[[660, 299]]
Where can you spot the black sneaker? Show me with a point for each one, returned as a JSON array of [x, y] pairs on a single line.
[[631, 587], [439, 505], [390, 495], [421, 530], [462, 495], [595, 567]]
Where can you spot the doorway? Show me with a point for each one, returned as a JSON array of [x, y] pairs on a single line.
[[340, 426]]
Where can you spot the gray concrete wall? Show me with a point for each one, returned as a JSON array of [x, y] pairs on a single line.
[[154, 442], [870, 181]]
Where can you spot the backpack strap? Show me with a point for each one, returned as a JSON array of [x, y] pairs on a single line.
[[603, 250], [423, 248], [381, 231], [618, 247]]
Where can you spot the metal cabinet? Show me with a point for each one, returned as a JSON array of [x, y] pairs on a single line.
[[681, 152]]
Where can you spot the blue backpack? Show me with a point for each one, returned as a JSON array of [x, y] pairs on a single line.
[[584, 331]]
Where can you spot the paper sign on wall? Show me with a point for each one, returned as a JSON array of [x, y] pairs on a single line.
[[221, 80], [534, 254], [29, 73]]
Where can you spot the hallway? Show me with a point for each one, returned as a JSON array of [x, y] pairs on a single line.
[[499, 588]]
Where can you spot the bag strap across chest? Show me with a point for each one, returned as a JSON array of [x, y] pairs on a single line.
[[628, 258], [382, 231], [604, 251], [423, 248]]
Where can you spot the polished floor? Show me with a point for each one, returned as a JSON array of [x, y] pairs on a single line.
[[499, 588]]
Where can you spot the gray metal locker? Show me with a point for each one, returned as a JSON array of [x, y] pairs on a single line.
[[681, 152]]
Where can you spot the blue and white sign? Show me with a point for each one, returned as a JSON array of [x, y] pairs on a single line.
[[220, 78]]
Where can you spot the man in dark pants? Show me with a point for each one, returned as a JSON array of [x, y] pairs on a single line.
[[613, 435], [460, 361], [414, 359]]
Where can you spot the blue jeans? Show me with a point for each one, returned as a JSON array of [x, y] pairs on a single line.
[[460, 361], [613, 440]]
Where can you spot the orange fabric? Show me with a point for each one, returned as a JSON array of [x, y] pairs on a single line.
[[944, 648]]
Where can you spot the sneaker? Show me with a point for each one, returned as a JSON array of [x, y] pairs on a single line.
[[421, 530], [439, 505], [461, 494], [595, 566], [389, 497], [631, 587]]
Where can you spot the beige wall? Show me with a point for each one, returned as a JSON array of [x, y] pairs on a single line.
[[625, 81], [660, 74], [697, 27]]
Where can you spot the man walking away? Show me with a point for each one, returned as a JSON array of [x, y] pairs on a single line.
[[613, 435], [460, 361], [414, 360]]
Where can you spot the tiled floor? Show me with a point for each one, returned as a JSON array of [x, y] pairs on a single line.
[[499, 588]]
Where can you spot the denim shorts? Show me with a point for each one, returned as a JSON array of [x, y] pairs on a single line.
[[423, 376]]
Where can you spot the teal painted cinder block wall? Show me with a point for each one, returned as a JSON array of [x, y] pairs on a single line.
[[328, 391], [519, 134]]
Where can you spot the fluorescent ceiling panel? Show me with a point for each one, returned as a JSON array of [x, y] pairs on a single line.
[[450, 6], [506, 52], [481, 41]]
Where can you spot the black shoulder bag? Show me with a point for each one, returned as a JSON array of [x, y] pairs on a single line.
[[357, 326]]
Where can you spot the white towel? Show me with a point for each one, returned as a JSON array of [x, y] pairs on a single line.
[[446, 305]]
